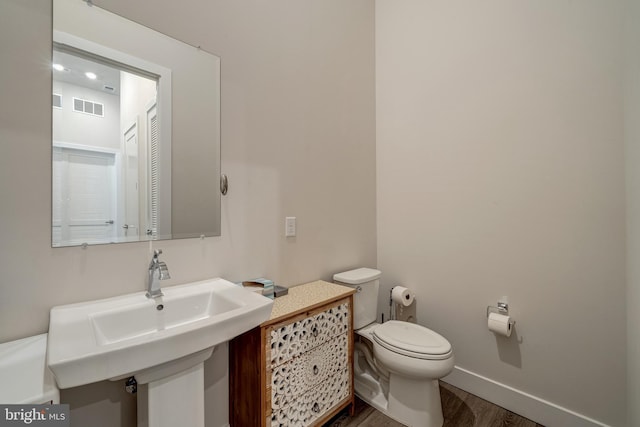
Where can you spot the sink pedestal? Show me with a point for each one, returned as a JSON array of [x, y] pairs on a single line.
[[168, 399], [174, 401]]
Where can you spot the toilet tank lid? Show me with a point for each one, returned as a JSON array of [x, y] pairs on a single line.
[[357, 276]]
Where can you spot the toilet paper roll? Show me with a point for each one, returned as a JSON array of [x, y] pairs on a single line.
[[500, 324], [401, 295]]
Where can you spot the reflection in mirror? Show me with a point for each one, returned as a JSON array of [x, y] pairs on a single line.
[[135, 132], [105, 150]]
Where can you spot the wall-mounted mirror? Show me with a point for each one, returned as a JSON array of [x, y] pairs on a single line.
[[136, 131]]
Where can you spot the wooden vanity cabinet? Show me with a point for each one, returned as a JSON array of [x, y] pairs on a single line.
[[295, 369]]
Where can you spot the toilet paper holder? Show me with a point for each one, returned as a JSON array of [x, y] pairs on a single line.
[[501, 308]]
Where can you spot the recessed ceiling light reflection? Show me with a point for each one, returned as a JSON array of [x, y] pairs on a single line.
[[90, 75], [58, 67]]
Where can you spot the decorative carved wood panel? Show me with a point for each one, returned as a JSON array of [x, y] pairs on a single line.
[[296, 372], [292, 339]]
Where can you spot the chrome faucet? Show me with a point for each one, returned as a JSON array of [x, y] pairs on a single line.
[[157, 271]]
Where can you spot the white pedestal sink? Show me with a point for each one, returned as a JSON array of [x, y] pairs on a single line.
[[164, 349]]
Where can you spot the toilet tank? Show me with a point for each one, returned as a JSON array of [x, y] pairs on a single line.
[[365, 300]]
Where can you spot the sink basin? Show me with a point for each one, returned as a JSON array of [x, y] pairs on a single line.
[[133, 317], [125, 335]]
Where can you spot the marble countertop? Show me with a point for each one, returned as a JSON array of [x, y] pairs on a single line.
[[306, 297]]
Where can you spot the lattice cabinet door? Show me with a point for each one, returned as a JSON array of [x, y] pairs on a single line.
[[308, 366], [295, 337], [311, 406], [296, 371]]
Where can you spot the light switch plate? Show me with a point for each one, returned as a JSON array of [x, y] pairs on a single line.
[[290, 226]]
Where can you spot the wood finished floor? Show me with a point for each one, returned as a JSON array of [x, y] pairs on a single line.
[[460, 409]]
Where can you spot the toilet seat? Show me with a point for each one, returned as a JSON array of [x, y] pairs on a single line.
[[412, 340]]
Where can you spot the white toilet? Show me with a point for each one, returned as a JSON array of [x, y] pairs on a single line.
[[396, 364]]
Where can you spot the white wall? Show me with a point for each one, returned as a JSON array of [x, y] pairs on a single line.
[[297, 122], [632, 156], [500, 172], [86, 129]]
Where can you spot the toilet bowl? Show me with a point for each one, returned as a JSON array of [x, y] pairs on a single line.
[[397, 364]]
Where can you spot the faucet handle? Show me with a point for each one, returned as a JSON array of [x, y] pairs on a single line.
[[163, 271], [157, 252]]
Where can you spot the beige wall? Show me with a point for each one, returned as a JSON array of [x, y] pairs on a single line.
[[632, 156], [297, 122], [500, 172]]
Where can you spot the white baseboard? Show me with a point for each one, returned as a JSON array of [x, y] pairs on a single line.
[[519, 402]]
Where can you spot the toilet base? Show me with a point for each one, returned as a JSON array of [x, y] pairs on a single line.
[[414, 409], [415, 403], [411, 402], [369, 390]]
